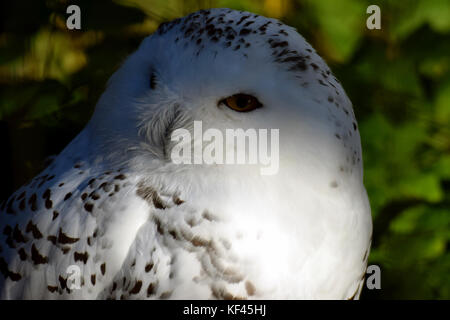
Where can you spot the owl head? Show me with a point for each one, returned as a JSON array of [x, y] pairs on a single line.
[[231, 70]]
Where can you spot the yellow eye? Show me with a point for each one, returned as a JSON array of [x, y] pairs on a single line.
[[242, 102]]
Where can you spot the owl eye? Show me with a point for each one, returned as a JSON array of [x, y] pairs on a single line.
[[153, 80], [242, 102]]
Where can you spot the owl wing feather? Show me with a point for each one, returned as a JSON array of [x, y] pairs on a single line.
[[68, 217]]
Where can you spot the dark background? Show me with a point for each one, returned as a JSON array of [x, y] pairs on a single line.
[[398, 79]]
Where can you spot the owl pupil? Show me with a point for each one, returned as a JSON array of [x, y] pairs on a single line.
[[242, 102]]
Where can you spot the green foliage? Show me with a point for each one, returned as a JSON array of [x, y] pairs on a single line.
[[398, 79]]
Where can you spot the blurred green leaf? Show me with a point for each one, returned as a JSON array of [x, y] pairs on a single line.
[[414, 14], [339, 37]]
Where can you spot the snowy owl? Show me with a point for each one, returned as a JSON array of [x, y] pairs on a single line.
[[114, 217]]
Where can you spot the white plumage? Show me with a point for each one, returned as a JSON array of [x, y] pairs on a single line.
[[139, 226]]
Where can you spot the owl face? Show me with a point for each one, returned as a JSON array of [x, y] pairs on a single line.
[[232, 70]]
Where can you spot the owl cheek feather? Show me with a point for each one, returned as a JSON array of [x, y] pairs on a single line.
[[158, 130]]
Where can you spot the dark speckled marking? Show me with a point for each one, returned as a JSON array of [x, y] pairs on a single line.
[[34, 230], [281, 44], [149, 267], [151, 289], [95, 196], [52, 239], [244, 32], [150, 195], [103, 268], [105, 186], [52, 289], [250, 288], [48, 204], [64, 239], [137, 287], [32, 202], [18, 236], [36, 257], [8, 273], [14, 276], [88, 207], [81, 256], [65, 250], [62, 282], [22, 254], [165, 295], [177, 201], [46, 194], [22, 205], [7, 230]]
